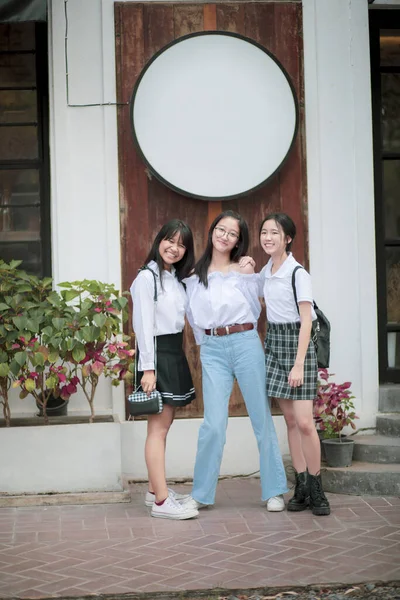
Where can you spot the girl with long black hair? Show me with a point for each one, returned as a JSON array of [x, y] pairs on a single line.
[[223, 310], [169, 261]]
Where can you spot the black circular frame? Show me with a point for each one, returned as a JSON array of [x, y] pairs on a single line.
[[136, 141]]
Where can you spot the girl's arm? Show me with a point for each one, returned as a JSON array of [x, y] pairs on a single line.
[[296, 375], [142, 292]]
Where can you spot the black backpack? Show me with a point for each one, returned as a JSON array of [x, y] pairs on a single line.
[[321, 329]]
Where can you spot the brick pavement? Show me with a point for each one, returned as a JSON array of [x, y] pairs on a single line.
[[78, 550]]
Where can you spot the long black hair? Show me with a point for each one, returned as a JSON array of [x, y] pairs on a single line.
[[287, 224], [167, 232], [240, 248]]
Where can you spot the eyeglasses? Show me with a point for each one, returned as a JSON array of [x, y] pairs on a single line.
[[221, 232]]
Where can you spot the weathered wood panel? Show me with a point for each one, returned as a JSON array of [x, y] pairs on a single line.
[[142, 30]]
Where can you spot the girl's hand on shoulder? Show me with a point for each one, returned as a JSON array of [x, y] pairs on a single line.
[[246, 264], [296, 376], [148, 382]]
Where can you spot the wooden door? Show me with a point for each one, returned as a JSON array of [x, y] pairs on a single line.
[[146, 204]]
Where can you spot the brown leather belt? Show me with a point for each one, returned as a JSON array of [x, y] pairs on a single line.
[[229, 329]]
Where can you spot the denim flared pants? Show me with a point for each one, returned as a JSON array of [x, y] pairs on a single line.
[[240, 356]]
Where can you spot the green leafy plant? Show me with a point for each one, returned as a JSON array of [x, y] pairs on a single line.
[[22, 307], [98, 346], [52, 343], [333, 407]]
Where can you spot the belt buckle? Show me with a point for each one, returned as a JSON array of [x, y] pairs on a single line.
[[214, 331]]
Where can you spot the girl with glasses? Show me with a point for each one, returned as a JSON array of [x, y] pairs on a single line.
[[170, 259], [223, 310]]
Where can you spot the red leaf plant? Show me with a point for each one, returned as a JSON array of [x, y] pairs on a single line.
[[333, 407]]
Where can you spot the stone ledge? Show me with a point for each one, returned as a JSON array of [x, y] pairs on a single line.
[[362, 478], [377, 449], [64, 499]]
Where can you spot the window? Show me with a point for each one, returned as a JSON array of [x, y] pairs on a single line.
[[24, 156], [385, 77]]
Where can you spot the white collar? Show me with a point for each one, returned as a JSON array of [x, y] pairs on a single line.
[[154, 267], [285, 268]]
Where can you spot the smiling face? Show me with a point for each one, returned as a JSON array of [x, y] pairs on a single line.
[[226, 234], [171, 250], [273, 239]]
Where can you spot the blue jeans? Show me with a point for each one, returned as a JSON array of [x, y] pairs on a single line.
[[240, 356]]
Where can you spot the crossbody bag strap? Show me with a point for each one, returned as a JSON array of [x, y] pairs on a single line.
[[155, 298]]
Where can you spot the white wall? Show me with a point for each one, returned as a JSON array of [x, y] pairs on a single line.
[[59, 458], [85, 205], [340, 188]]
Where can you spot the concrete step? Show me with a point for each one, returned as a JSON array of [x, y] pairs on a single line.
[[371, 479], [388, 424], [376, 449], [361, 478], [389, 398]]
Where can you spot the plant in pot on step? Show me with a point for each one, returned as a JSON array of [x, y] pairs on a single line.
[[333, 411], [99, 347]]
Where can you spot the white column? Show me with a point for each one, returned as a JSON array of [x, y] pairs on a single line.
[[340, 189]]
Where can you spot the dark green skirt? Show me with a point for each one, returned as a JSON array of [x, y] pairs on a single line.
[[280, 355]]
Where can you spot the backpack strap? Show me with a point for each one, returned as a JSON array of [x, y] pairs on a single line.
[[147, 268], [294, 286]]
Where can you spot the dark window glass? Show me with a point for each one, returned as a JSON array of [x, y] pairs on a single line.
[[391, 195], [391, 111], [18, 106], [17, 36], [28, 252], [19, 206], [18, 143], [393, 284], [390, 47], [24, 170], [17, 70]]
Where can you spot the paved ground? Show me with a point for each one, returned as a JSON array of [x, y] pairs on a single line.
[[80, 550]]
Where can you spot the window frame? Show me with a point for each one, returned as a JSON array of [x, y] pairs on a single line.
[[42, 162]]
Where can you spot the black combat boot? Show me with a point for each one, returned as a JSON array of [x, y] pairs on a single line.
[[318, 501], [301, 493]]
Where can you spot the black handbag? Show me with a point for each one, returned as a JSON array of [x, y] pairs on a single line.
[[321, 330], [139, 402]]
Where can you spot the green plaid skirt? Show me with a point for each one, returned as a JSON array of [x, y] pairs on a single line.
[[280, 355]]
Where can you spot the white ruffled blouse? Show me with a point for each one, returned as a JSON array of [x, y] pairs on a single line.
[[230, 298]]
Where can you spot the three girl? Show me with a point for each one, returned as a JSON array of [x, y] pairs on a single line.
[[291, 361], [222, 305]]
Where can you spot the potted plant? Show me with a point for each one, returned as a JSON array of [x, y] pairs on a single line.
[[23, 308], [333, 411], [97, 345], [52, 343]]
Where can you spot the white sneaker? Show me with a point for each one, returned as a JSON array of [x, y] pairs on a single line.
[[192, 503], [150, 498], [276, 504], [171, 509]]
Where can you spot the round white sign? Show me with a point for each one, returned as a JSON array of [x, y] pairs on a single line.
[[213, 115]]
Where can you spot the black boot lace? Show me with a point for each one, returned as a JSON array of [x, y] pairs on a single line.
[[317, 492]]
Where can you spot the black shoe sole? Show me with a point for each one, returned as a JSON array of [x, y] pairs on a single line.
[[296, 508], [321, 512]]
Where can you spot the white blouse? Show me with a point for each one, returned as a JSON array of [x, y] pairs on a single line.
[[278, 292], [168, 317], [229, 298]]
